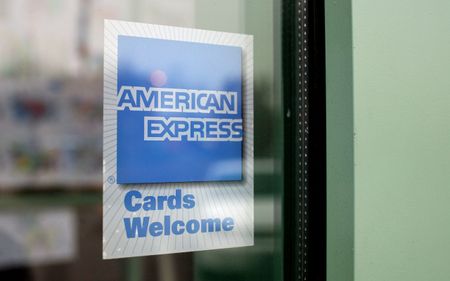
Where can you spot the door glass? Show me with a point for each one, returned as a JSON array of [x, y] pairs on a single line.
[[51, 71]]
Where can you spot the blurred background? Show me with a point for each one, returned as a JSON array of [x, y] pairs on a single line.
[[51, 63]]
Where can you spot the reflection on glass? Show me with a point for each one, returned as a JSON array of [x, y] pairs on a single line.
[[51, 60]]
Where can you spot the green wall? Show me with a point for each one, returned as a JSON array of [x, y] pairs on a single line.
[[400, 79]]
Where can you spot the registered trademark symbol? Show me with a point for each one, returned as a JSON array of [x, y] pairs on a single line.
[[111, 179]]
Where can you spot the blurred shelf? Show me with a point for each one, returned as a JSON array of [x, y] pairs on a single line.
[[50, 198]]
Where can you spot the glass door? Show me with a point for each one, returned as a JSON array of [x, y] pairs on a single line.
[[51, 81], [51, 72]]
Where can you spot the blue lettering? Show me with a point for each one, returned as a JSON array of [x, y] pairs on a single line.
[[128, 200], [182, 98], [189, 201], [237, 130], [174, 201], [228, 224], [126, 99], [211, 127], [167, 100], [224, 128], [227, 103], [178, 227], [181, 127], [192, 226], [197, 127], [199, 98], [208, 225], [161, 200], [136, 225], [166, 225], [212, 104], [156, 229], [149, 203], [141, 98]]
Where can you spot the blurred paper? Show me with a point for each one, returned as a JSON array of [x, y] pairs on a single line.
[[37, 237]]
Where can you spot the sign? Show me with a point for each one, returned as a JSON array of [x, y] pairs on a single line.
[[178, 140]]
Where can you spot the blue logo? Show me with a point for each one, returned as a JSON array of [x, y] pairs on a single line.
[[179, 111]]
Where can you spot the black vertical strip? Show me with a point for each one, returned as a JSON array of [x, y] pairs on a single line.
[[317, 142], [305, 140], [290, 241]]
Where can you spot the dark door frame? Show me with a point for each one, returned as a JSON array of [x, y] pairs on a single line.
[[305, 140]]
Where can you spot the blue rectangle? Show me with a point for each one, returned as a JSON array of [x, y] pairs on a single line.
[[197, 67]]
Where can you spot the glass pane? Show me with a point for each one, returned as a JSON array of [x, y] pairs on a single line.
[[51, 71], [259, 262]]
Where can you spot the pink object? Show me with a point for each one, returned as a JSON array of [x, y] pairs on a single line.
[[158, 78]]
